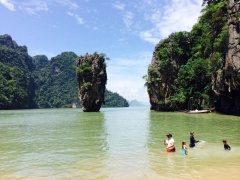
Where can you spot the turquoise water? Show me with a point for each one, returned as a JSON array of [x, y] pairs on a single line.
[[115, 143]]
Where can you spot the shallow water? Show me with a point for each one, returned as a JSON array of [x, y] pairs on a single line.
[[116, 143]]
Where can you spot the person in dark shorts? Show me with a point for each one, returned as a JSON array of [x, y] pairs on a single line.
[[226, 146]]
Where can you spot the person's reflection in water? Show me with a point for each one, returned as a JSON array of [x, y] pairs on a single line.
[[170, 162]]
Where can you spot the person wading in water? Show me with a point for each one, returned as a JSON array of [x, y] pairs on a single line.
[[169, 142], [192, 140]]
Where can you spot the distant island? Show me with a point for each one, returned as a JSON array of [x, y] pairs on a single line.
[[134, 103], [37, 82]]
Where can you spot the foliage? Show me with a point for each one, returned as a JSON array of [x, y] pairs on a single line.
[[56, 84], [36, 82], [192, 81], [114, 100], [187, 61], [85, 69], [175, 50], [16, 83], [39, 61], [13, 86]]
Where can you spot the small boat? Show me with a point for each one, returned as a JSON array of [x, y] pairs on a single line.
[[196, 111]]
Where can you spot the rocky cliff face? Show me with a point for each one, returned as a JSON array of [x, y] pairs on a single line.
[[92, 79], [226, 85], [164, 68], [158, 83]]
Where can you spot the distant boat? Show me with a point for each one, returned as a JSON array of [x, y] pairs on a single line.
[[196, 111]]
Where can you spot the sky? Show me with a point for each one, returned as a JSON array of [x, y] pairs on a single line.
[[127, 31]]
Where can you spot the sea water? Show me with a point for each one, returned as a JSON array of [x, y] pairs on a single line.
[[116, 143]]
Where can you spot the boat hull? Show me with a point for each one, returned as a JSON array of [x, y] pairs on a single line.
[[198, 111]]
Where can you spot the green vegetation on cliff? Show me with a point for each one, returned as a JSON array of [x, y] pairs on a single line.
[[36, 82], [56, 84], [92, 80], [185, 62], [16, 83], [114, 100]]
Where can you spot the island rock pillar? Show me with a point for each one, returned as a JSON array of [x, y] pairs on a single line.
[[92, 79]]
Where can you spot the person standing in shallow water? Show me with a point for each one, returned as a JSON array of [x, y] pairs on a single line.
[[169, 142], [226, 146], [184, 148], [192, 140]]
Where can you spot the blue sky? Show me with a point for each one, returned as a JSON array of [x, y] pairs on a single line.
[[125, 30]]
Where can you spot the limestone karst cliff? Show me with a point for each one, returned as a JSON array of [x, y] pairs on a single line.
[[204, 71], [168, 56], [16, 81], [226, 84], [92, 79], [39, 82]]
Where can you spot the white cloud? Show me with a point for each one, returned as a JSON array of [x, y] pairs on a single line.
[[125, 76], [131, 88], [180, 15], [149, 36], [153, 20], [78, 18], [119, 6], [128, 19], [71, 4], [176, 15], [8, 4], [34, 6], [127, 16]]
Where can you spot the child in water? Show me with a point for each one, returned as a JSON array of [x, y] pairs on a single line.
[[184, 148], [226, 146], [192, 140]]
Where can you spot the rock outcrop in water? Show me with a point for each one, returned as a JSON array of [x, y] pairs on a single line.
[[164, 68], [158, 83], [92, 79], [226, 85], [204, 71]]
